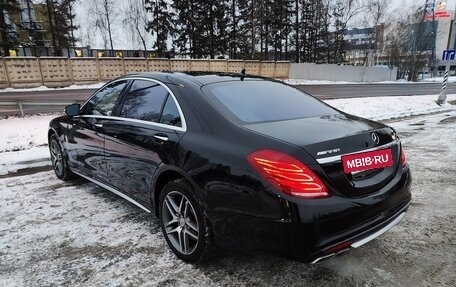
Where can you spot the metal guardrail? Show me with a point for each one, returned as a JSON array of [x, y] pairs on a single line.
[[21, 104]]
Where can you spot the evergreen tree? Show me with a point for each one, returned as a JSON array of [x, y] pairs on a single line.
[[183, 24], [61, 28], [211, 28], [323, 37], [280, 27], [243, 24], [161, 25]]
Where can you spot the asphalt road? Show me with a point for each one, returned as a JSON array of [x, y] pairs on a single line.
[[320, 91]]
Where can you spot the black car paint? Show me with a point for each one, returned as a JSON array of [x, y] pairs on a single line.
[[244, 211]]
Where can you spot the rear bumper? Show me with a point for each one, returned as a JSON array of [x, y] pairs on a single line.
[[363, 238], [316, 227]]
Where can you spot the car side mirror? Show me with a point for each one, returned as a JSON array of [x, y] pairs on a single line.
[[72, 110]]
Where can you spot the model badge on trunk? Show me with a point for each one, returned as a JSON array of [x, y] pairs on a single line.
[[330, 151]]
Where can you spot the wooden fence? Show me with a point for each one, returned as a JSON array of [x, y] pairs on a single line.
[[26, 72]]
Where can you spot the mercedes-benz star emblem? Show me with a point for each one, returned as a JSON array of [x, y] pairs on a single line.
[[375, 138]]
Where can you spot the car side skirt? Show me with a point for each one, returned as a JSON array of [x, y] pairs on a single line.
[[113, 190]]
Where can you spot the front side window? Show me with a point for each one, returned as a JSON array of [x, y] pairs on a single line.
[[144, 101], [103, 102]]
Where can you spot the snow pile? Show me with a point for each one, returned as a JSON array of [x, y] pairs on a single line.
[[44, 88], [23, 143], [451, 79], [24, 133], [383, 108], [11, 162], [321, 82]]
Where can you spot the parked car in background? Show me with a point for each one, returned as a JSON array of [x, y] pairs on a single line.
[[241, 162]]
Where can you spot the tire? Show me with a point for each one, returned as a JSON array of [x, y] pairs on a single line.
[[184, 223], [58, 159]]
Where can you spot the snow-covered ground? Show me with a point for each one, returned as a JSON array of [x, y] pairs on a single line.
[[323, 82], [451, 79], [385, 108], [44, 88], [24, 140]]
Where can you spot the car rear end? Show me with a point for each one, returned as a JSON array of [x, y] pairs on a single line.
[[345, 179], [334, 210]]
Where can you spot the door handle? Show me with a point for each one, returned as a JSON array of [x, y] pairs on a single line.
[[98, 125], [161, 137]]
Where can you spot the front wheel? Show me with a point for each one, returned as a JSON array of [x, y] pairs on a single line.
[[58, 159], [183, 222]]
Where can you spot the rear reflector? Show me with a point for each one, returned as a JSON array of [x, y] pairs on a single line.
[[338, 247], [287, 174], [403, 157]]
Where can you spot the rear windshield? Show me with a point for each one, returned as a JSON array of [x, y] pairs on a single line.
[[263, 101]]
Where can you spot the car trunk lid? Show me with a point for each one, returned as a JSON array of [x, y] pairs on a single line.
[[328, 138]]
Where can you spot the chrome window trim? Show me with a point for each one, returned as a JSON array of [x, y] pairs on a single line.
[[181, 113], [338, 158], [114, 191], [133, 121]]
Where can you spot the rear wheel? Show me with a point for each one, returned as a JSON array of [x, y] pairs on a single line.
[[183, 222], [58, 159]]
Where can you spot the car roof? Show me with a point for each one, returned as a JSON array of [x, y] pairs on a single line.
[[200, 78]]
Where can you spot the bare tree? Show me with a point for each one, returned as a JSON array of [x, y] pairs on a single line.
[[105, 16], [135, 20], [409, 44], [343, 12], [376, 16], [377, 11]]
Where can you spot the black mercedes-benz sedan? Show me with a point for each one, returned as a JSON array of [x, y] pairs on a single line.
[[235, 161]]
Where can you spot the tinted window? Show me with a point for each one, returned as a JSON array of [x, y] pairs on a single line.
[[102, 103], [261, 101], [144, 101], [170, 115]]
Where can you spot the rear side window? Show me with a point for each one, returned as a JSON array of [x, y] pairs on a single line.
[[144, 101], [263, 101], [170, 115]]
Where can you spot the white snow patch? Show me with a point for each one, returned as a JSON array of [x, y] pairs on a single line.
[[451, 79], [321, 82], [383, 108], [13, 161], [44, 88], [24, 133]]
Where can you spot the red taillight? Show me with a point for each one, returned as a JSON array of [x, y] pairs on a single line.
[[403, 158], [287, 174]]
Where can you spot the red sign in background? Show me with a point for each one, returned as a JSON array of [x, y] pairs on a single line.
[[439, 14]]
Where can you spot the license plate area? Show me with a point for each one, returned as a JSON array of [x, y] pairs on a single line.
[[355, 163]]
